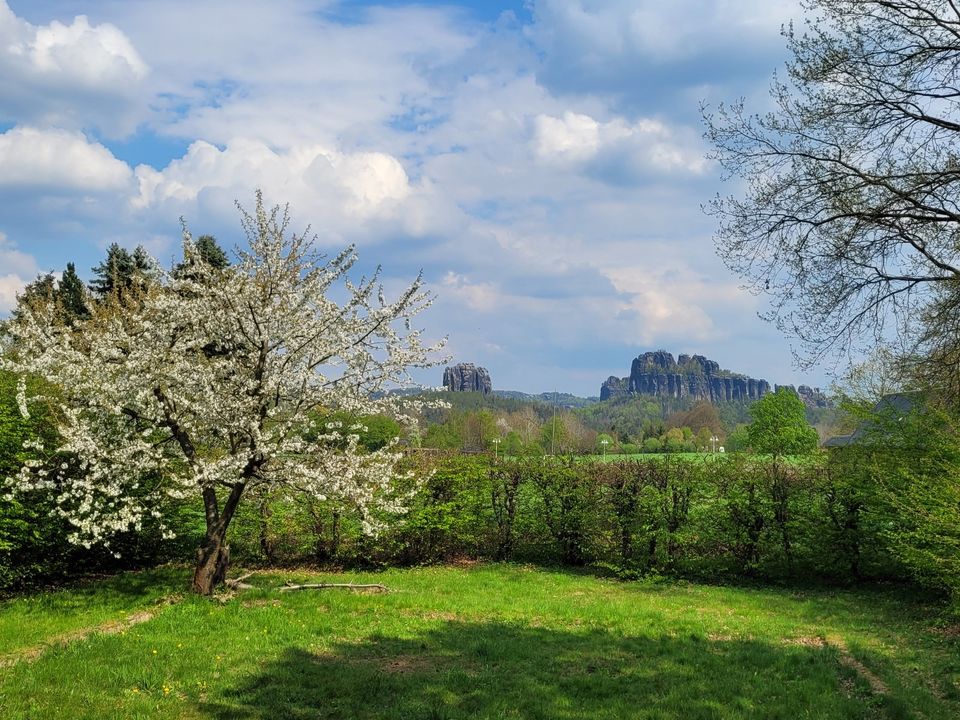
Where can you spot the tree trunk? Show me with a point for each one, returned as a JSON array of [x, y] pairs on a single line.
[[214, 557], [212, 562], [266, 547], [335, 534]]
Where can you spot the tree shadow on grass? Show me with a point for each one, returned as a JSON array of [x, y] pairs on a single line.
[[495, 670], [126, 590]]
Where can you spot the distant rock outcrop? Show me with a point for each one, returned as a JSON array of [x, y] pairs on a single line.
[[467, 377], [614, 387], [657, 374]]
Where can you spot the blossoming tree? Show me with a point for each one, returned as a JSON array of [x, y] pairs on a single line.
[[208, 383]]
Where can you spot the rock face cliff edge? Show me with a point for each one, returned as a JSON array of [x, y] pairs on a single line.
[[467, 377], [657, 374]]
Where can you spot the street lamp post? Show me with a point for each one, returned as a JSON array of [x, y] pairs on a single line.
[[713, 442], [604, 443], [496, 448]]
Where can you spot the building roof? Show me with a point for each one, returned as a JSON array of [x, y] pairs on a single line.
[[895, 404]]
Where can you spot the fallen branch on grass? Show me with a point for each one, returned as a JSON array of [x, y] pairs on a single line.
[[238, 583], [330, 586]]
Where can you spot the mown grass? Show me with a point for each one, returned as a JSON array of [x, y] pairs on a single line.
[[43, 617], [505, 641], [690, 456], [697, 457]]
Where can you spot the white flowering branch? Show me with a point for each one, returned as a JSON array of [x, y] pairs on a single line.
[[208, 382]]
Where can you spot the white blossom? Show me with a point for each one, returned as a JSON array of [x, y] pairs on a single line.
[[22, 397], [211, 379]]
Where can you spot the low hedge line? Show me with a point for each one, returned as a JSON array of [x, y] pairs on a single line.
[[731, 516]]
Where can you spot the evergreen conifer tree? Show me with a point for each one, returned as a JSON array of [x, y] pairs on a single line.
[[211, 253], [122, 271], [206, 251], [114, 273], [72, 295]]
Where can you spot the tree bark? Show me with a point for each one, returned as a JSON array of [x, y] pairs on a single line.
[[266, 547], [213, 559]]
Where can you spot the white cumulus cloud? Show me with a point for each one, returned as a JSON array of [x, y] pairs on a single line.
[[617, 149], [10, 285], [351, 185], [655, 29], [482, 297], [75, 75], [16, 270], [58, 159]]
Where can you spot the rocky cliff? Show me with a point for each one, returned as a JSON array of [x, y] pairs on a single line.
[[657, 374], [467, 377]]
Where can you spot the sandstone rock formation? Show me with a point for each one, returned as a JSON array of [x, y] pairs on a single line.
[[614, 387], [657, 374], [467, 377]]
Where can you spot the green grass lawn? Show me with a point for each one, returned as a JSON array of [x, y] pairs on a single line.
[[493, 641], [618, 457], [43, 617], [696, 457]]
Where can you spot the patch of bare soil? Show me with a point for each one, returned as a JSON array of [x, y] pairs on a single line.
[[111, 627], [816, 642], [947, 631], [406, 664], [846, 659], [720, 637], [393, 664], [462, 562]]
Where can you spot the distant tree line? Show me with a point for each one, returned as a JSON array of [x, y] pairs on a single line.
[[627, 427]]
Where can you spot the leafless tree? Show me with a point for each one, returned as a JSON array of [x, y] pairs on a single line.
[[849, 213]]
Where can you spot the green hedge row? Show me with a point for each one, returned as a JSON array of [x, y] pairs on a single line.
[[729, 516]]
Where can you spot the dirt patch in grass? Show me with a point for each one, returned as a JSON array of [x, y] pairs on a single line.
[[947, 631], [876, 684], [463, 562], [814, 642], [846, 659], [406, 664], [111, 627], [401, 664], [442, 615], [721, 637]]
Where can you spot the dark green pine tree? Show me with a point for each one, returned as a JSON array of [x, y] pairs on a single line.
[[72, 295], [122, 271], [144, 267], [115, 273], [208, 252], [211, 253]]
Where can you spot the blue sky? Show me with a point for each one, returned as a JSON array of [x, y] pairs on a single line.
[[541, 162]]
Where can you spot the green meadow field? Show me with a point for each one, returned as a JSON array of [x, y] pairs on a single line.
[[476, 641]]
